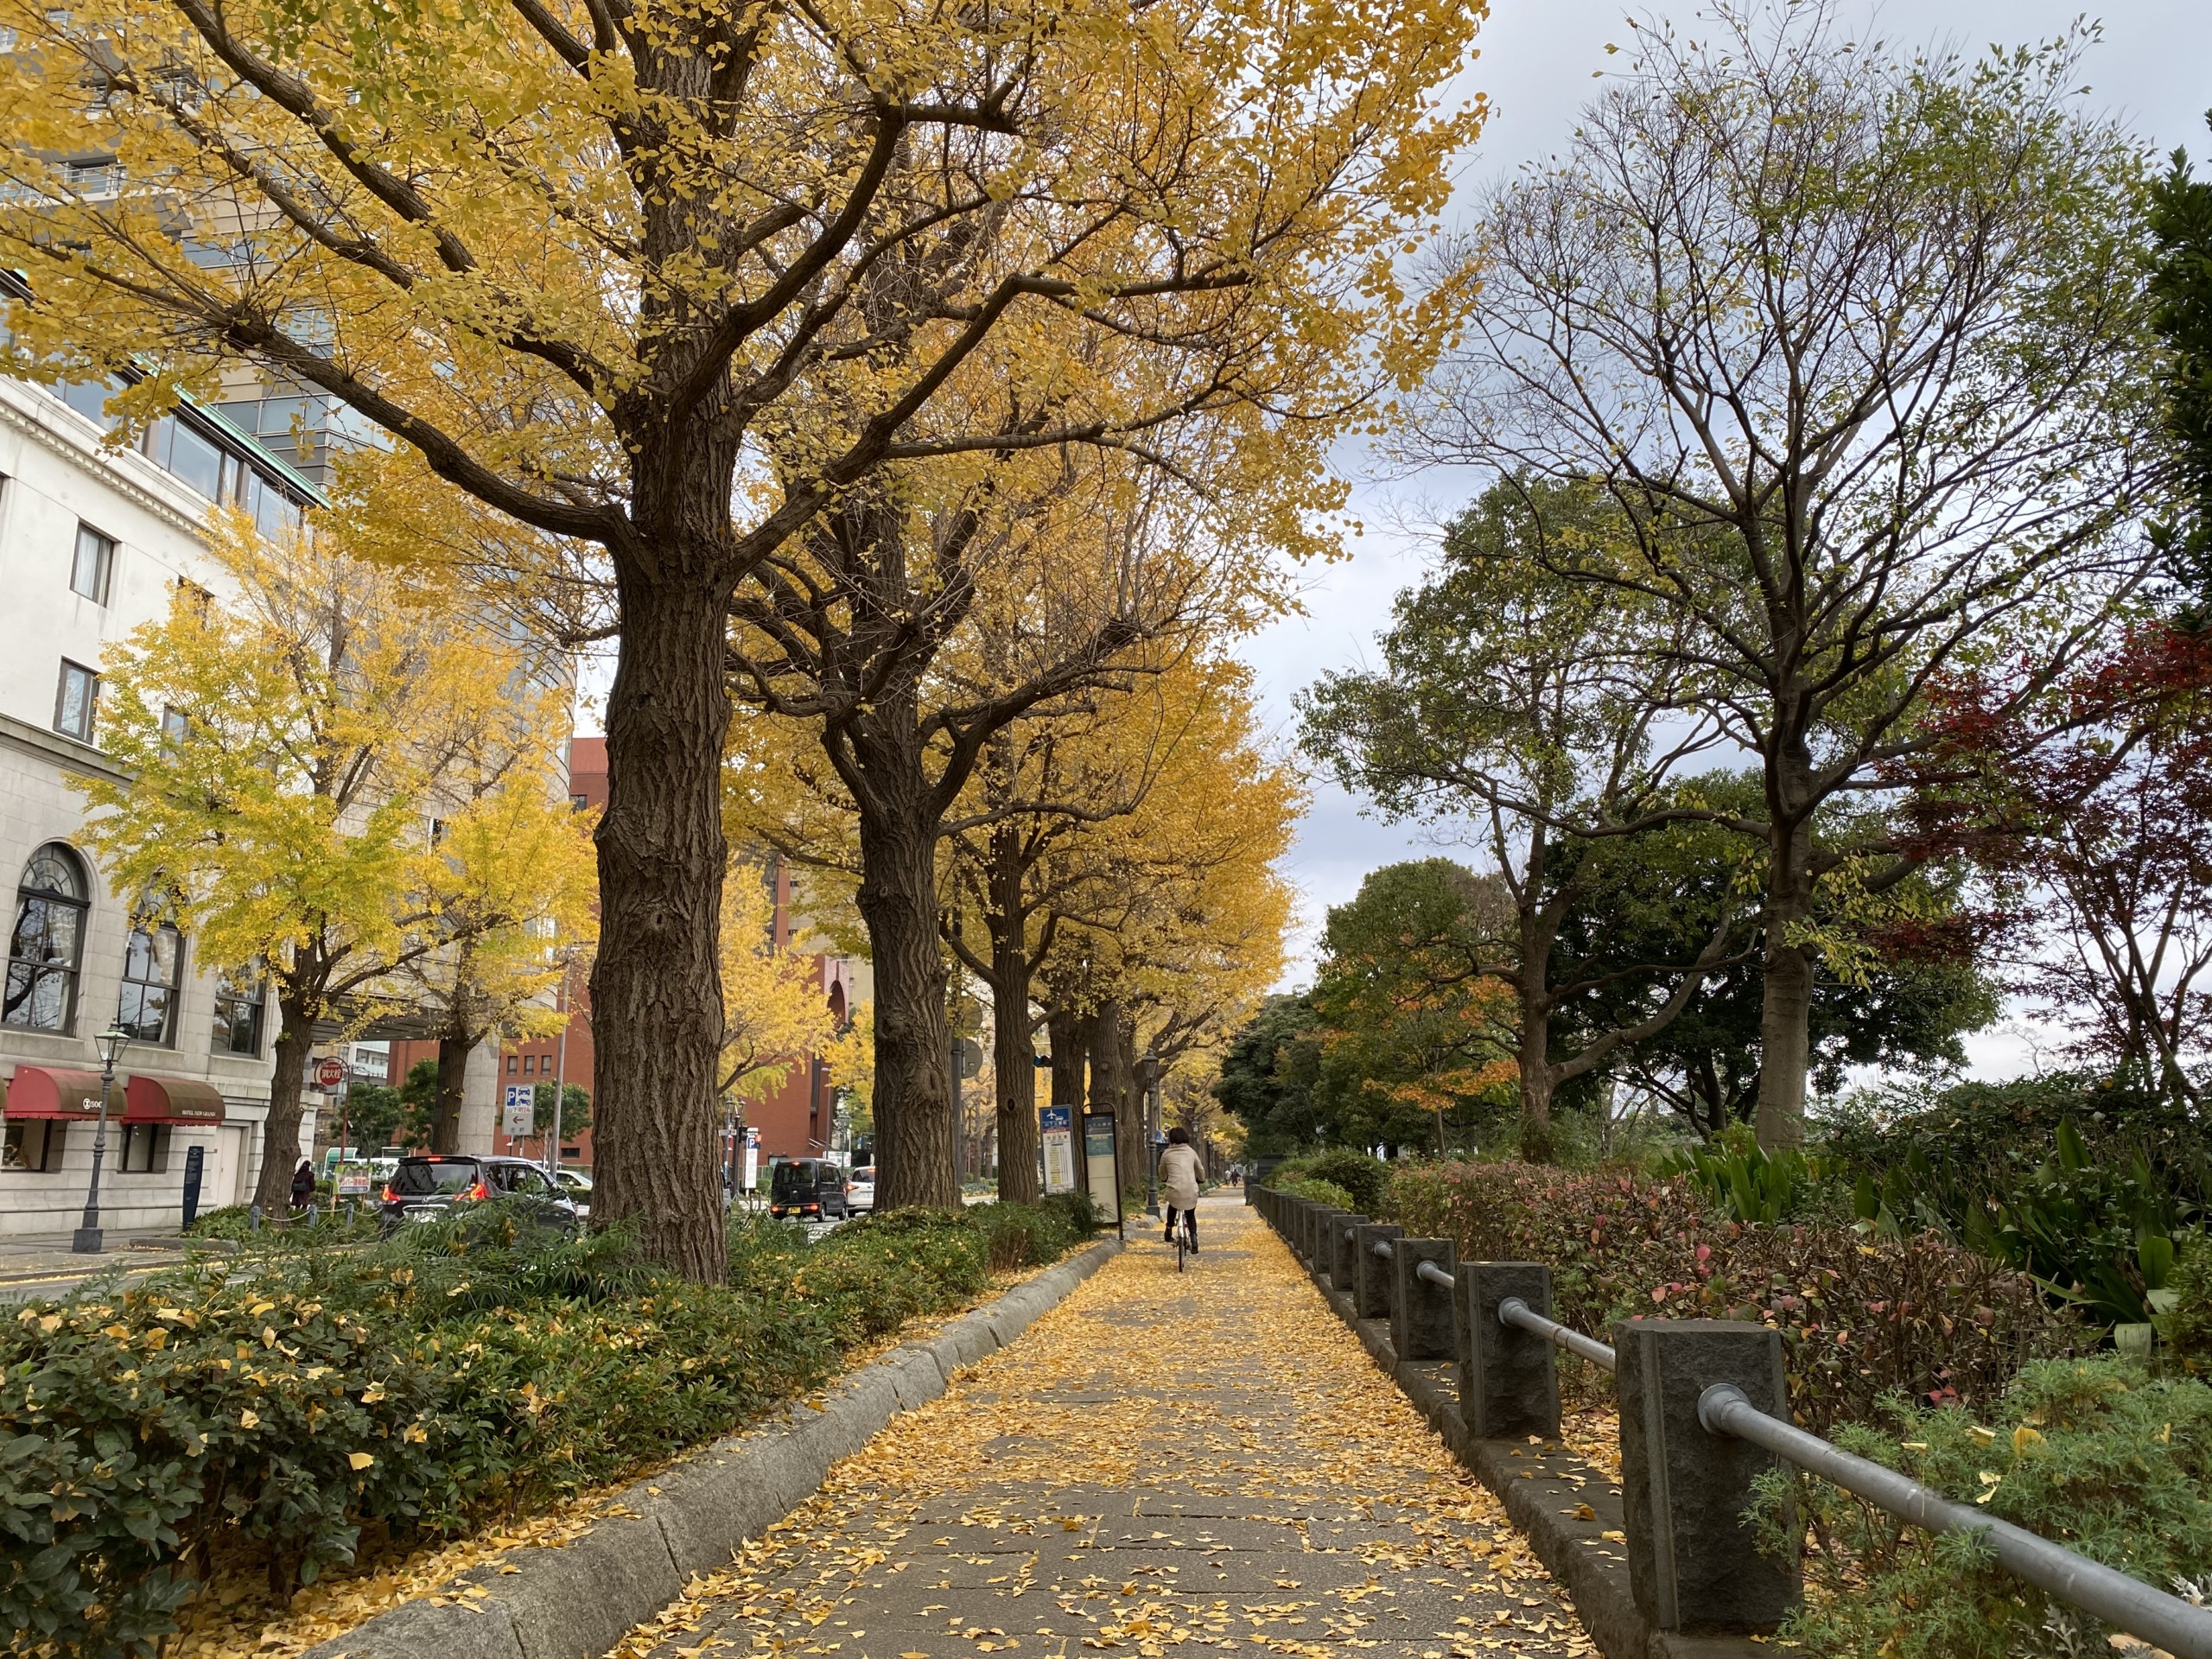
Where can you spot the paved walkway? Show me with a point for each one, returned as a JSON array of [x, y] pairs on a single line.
[[1165, 1464]]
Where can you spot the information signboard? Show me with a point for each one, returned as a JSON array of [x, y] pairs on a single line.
[[1098, 1165], [521, 1110], [1057, 1125]]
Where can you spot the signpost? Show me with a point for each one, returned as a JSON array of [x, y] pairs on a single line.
[[1098, 1166], [520, 1109], [195, 1159], [1057, 1125]]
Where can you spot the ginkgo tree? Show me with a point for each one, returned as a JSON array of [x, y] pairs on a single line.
[[665, 283], [284, 753]]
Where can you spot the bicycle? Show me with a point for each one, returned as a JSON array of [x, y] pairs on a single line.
[[1186, 1237]]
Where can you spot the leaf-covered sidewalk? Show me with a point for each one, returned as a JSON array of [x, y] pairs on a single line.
[[1165, 1464]]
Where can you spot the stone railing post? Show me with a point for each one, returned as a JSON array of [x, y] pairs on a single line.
[[1693, 1560], [1371, 1275], [1509, 1384], [1420, 1313], [1343, 1266]]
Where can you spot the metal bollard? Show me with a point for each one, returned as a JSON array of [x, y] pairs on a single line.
[[1509, 1381], [1420, 1312], [1693, 1563], [253, 1218], [1370, 1292], [1343, 1265]]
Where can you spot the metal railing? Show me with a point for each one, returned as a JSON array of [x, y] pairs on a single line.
[[1726, 1411], [1515, 1312]]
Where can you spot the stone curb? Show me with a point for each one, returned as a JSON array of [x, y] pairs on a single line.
[[1545, 1489], [578, 1599]]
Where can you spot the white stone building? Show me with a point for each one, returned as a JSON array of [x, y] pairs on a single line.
[[93, 543]]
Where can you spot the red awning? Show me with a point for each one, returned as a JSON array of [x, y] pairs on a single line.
[[48, 1091], [171, 1100]]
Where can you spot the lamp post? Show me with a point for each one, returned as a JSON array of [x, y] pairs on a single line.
[[87, 1241]]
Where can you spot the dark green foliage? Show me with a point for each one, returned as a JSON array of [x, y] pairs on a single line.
[[2088, 1187], [1367, 1178], [291, 1404], [1746, 1183], [1860, 1318], [575, 1109], [2095, 1454], [1316, 1191], [1268, 1075], [2181, 287]]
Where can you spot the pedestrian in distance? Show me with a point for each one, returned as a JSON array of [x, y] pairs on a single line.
[[302, 1185], [1180, 1172]]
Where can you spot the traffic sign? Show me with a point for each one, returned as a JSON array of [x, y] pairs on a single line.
[[330, 1072], [521, 1109]]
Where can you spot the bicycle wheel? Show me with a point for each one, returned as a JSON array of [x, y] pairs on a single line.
[[1181, 1249]]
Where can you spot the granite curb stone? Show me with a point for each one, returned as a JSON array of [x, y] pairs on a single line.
[[578, 1599]]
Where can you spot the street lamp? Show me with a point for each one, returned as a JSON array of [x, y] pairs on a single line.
[[87, 1239]]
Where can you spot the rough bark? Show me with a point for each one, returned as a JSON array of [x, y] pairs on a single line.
[[915, 1131], [1786, 1007], [656, 985], [280, 1135], [1012, 1057], [453, 1089]]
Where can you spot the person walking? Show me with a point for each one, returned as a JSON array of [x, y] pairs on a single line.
[[1180, 1172], [302, 1185]]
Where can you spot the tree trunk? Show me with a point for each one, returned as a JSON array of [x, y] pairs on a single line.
[[1538, 926], [1785, 1013], [280, 1135], [1012, 1058], [656, 985], [1134, 1147], [914, 1126], [1107, 1094], [453, 1089]]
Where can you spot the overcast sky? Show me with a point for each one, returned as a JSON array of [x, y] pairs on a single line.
[[2154, 68]]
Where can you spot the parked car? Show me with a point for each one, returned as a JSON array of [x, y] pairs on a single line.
[[426, 1186], [576, 1182], [812, 1187], [860, 1191]]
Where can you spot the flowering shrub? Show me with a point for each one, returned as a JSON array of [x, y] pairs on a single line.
[[1861, 1319], [287, 1407]]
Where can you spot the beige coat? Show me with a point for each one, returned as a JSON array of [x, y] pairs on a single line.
[[1180, 1172]]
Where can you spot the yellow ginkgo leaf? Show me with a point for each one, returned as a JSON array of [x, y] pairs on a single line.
[[359, 1459], [248, 1420]]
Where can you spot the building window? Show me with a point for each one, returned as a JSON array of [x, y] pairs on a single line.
[[153, 964], [74, 701], [33, 1145], [511, 1065], [94, 564], [145, 1149], [238, 1015], [529, 1063], [579, 803], [175, 724], [47, 946]]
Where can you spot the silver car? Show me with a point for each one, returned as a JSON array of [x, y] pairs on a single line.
[[860, 1191]]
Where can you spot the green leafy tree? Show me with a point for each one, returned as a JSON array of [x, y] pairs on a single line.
[[575, 1109], [1537, 711], [1268, 1074], [373, 1114], [1856, 340], [2181, 222]]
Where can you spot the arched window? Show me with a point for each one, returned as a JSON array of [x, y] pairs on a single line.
[[153, 968], [47, 946]]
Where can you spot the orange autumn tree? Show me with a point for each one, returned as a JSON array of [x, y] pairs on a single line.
[[1409, 1002]]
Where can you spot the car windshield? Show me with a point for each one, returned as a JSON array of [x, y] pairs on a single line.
[[421, 1178], [866, 1177], [794, 1177]]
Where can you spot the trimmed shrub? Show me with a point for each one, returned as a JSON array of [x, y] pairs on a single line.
[[2096, 1454], [1861, 1319], [1320, 1191], [290, 1405]]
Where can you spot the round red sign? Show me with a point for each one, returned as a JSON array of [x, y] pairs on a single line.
[[330, 1073]]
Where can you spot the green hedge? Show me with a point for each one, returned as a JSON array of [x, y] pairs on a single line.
[[295, 1406]]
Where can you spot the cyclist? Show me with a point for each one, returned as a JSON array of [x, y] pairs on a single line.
[[1180, 1172]]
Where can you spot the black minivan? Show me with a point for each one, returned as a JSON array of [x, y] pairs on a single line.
[[809, 1186]]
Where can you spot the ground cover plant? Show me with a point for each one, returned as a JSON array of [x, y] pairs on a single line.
[[1862, 1318], [292, 1408], [2098, 1454]]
